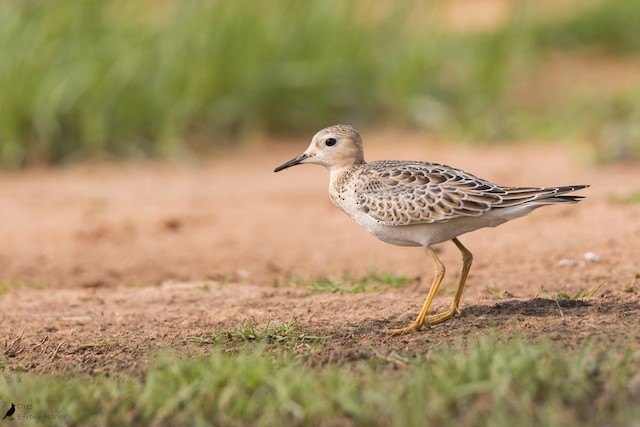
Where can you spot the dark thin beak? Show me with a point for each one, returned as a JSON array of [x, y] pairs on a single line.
[[291, 162]]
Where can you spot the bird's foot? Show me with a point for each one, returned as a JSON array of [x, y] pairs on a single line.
[[414, 327], [429, 321], [442, 317]]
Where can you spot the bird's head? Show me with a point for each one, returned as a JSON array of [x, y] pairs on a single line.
[[335, 147]]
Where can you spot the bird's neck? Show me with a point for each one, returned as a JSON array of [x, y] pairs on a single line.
[[338, 177], [342, 167]]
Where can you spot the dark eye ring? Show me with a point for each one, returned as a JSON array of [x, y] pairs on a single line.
[[330, 142]]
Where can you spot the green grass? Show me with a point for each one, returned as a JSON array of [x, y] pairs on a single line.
[[495, 292], [608, 26], [630, 198], [8, 285], [485, 381], [137, 78], [85, 79], [561, 294], [252, 333], [100, 344], [350, 284]]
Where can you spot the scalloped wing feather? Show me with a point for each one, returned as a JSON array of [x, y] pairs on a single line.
[[404, 193]]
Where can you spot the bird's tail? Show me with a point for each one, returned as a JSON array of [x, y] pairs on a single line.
[[538, 196], [558, 194]]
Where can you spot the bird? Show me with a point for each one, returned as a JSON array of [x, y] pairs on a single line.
[[416, 203], [10, 412]]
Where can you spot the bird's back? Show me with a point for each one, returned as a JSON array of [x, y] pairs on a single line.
[[397, 193]]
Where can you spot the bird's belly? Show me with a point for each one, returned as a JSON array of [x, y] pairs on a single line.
[[407, 235], [427, 233]]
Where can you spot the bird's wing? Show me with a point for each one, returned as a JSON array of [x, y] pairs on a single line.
[[404, 193]]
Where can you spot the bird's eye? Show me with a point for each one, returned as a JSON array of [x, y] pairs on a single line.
[[330, 142]]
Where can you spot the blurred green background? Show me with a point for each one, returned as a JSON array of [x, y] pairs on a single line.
[[83, 79]]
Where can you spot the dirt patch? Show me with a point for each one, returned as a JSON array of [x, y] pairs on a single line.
[[107, 264]]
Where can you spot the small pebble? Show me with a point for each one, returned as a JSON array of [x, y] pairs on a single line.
[[565, 262], [592, 257]]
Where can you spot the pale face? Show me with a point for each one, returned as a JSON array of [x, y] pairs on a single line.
[[335, 147]]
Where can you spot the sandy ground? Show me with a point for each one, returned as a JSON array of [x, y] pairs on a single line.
[[146, 255]]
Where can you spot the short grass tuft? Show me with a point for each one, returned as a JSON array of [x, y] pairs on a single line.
[[350, 284], [627, 199], [495, 292], [251, 332], [580, 294], [8, 285]]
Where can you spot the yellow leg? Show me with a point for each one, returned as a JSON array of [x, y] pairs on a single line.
[[419, 322], [467, 258]]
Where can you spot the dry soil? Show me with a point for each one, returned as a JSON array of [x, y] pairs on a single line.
[[102, 265]]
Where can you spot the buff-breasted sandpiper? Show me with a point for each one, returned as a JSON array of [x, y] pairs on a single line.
[[414, 203]]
